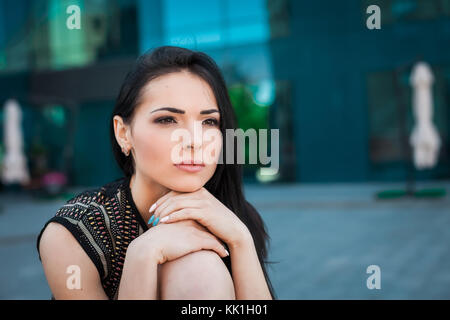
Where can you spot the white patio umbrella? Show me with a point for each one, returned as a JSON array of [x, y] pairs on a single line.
[[14, 166], [424, 137]]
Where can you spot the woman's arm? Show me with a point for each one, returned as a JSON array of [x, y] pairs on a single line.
[[60, 254], [248, 276], [139, 276], [59, 250], [203, 207], [157, 246]]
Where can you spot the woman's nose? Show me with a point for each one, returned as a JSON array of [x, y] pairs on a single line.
[[196, 135]]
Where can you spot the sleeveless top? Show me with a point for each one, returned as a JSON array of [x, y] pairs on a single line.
[[104, 221]]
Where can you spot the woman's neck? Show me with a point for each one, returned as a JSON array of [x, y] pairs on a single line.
[[145, 193]]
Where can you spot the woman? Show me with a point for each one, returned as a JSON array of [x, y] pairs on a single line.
[[171, 228]]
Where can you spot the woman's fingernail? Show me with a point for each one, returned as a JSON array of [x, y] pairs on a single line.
[[156, 221], [227, 252], [165, 219], [152, 207], [151, 219]]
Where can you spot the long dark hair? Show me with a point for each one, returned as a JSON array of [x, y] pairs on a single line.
[[226, 183]]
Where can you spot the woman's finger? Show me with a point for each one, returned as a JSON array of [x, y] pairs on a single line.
[[161, 204], [215, 245], [209, 235], [162, 199], [193, 224], [206, 234], [173, 206], [182, 214]]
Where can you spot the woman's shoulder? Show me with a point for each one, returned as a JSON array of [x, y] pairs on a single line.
[[91, 200], [87, 215]]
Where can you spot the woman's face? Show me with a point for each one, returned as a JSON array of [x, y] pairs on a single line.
[[156, 134]]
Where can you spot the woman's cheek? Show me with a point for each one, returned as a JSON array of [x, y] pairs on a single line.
[[151, 150], [211, 158], [212, 147]]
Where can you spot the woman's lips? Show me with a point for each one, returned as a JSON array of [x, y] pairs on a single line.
[[190, 167]]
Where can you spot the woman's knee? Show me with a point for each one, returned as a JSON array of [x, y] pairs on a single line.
[[198, 275]]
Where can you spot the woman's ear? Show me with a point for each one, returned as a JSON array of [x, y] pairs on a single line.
[[120, 132]]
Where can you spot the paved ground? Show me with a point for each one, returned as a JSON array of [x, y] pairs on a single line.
[[323, 239]]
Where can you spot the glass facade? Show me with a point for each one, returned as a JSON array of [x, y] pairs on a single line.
[[333, 88]]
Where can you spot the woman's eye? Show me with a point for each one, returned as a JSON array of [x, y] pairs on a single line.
[[212, 122], [164, 120], [167, 120]]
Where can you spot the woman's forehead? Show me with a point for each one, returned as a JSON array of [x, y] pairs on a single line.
[[179, 90]]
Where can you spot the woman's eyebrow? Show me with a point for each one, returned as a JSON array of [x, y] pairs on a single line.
[[208, 111], [175, 110]]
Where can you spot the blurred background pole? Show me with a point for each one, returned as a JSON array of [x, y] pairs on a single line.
[[403, 125]]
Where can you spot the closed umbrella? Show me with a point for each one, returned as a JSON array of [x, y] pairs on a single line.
[[14, 167], [424, 138]]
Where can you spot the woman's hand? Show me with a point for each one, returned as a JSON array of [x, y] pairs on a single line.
[[203, 207], [171, 241]]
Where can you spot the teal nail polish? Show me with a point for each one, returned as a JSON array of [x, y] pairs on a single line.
[[151, 219], [156, 221]]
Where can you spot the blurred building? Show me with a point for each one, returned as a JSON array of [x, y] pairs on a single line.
[[337, 91]]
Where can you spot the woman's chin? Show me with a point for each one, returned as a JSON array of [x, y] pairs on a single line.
[[189, 184]]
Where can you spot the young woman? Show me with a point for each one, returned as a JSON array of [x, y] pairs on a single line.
[[167, 229]]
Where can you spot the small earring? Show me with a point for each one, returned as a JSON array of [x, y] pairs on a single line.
[[125, 151]]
